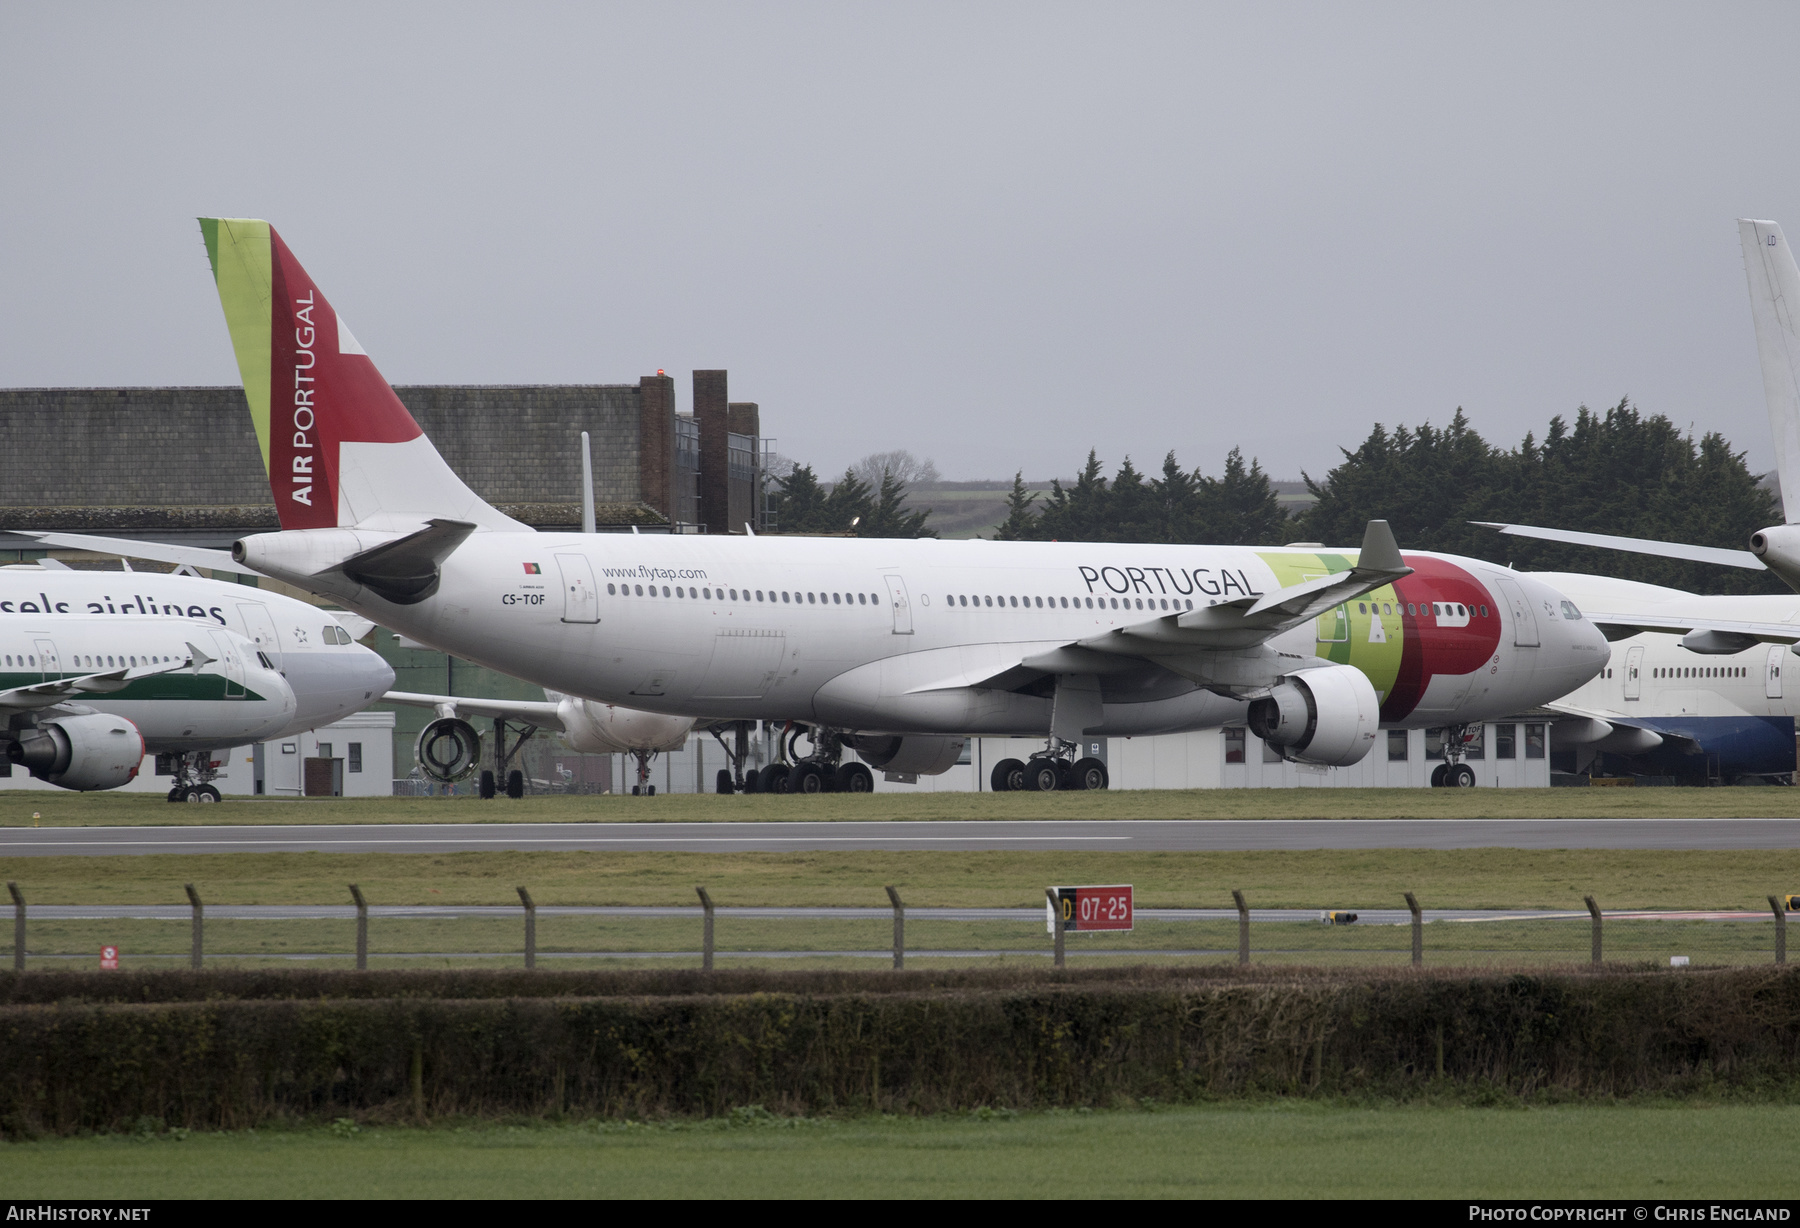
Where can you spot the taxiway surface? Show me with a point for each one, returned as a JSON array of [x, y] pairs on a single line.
[[1119, 836]]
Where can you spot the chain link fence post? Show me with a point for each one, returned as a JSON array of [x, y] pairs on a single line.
[[199, 926], [1780, 928], [706, 933], [1418, 928], [362, 928], [1594, 912], [18, 898], [899, 929], [530, 929], [1243, 926]]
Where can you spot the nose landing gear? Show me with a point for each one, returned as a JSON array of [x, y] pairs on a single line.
[[1453, 773], [194, 771]]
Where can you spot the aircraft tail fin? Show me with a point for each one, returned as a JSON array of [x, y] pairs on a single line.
[[339, 447], [1774, 304]]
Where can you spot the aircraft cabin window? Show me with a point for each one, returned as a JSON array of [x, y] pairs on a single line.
[[610, 591]]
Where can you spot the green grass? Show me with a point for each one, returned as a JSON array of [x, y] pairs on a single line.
[[1289, 1150], [573, 942], [1359, 878], [101, 809]]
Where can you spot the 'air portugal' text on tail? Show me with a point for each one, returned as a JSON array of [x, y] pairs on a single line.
[[339, 447]]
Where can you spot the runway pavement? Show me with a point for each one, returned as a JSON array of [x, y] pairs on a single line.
[[1121, 836]]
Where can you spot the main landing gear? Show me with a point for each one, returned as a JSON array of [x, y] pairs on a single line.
[[822, 770], [515, 779], [1453, 773], [1048, 770], [194, 772]]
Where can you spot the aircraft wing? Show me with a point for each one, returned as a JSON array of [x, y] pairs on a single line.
[[1229, 626], [1710, 636], [156, 552], [1632, 545], [1248, 621], [107, 682], [539, 713]]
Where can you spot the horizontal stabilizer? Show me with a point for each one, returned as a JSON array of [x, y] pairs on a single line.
[[156, 552], [1633, 545], [406, 571]]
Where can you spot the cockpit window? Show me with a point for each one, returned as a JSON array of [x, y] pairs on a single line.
[[1570, 612], [266, 663]]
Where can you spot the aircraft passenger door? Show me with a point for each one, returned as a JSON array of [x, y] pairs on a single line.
[[232, 666], [1772, 672], [260, 626], [1634, 667], [902, 607], [1525, 628], [581, 596], [49, 663]]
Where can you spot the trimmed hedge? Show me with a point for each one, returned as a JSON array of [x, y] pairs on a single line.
[[922, 1046]]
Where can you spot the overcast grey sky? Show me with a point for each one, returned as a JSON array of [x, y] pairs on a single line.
[[997, 235]]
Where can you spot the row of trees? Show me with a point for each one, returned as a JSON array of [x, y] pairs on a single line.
[[1618, 472]]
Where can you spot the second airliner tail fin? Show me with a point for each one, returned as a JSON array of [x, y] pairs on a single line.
[[1774, 302]]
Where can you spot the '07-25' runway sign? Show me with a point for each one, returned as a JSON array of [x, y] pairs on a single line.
[[1088, 908]]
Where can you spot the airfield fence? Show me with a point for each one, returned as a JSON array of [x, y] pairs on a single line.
[[707, 934]]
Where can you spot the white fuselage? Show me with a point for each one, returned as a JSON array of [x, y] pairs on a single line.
[[229, 701], [884, 635], [330, 676], [1653, 676]]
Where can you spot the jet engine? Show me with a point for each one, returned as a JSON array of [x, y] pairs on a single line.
[[1327, 716], [448, 749], [1779, 549], [98, 751], [606, 729], [922, 756]]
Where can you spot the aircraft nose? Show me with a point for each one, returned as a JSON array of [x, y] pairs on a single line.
[[375, 674]]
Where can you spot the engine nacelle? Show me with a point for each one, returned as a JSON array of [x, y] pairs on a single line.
[[607, 729], [98, 751], [448, 749], [1327, 716], [1779, 549], [923, 756]]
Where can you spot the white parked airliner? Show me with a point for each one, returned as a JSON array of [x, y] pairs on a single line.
[[896, 648]]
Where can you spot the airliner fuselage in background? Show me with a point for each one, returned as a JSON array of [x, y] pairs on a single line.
[[900, 647]]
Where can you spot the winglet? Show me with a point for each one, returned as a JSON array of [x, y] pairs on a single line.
[[1379, 550], [197, 657]]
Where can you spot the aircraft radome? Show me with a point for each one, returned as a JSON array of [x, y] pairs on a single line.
[[899, 649]]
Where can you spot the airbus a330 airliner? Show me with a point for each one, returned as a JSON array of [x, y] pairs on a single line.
[[899, 649]]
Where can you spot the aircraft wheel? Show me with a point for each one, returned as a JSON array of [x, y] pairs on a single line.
[[1008, 776], [649, 790], [1043, 775], [1462, 778], [1089, 774], [1437, 775], [191, 794], [637, 790], [774, 778], [855, 778], [486, 787], [175, 794], [806, 778], [723, 783], [203, 793], [753, 781], [515, 784]]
